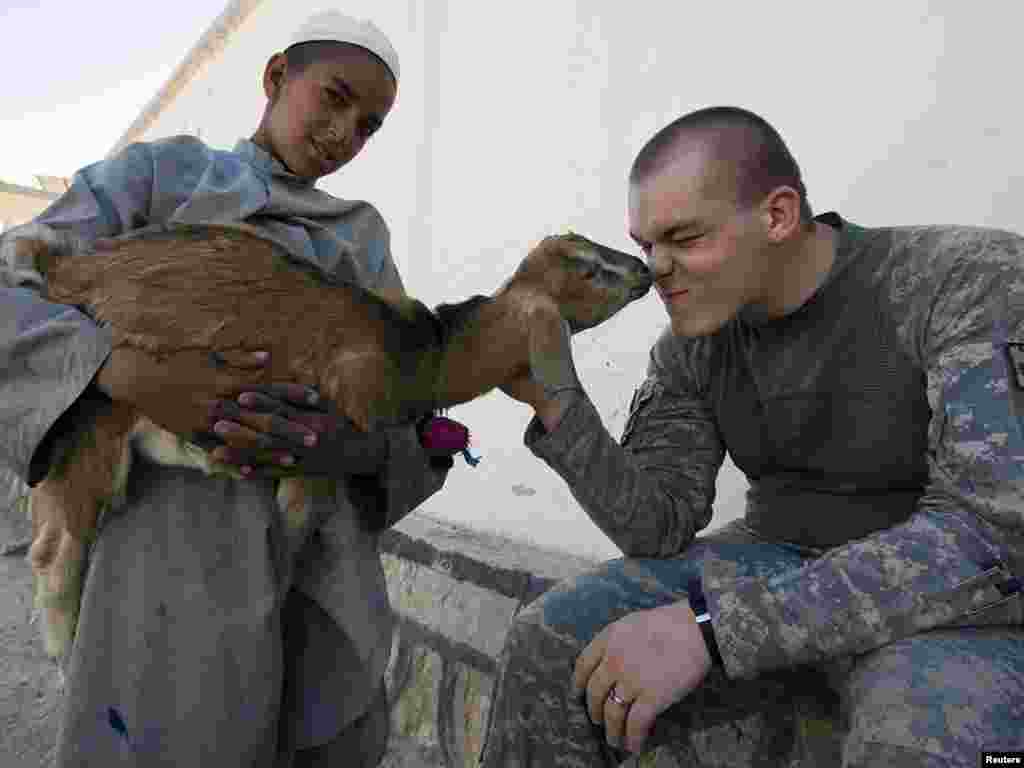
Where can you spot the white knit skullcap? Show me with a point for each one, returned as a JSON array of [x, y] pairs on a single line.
[[337, 27]]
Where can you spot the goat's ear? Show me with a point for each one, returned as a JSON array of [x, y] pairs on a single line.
[[25, 249], [37, 253]]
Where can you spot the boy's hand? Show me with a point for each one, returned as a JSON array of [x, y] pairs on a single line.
[[179, 390], [285, 425]]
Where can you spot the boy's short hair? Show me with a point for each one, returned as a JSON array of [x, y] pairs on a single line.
[[301, 55]]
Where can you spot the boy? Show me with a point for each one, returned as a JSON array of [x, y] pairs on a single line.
[[200, 642]]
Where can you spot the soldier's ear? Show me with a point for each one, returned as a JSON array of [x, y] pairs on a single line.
[[780, 212]]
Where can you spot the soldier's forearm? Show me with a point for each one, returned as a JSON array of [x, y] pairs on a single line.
[[646, 512]]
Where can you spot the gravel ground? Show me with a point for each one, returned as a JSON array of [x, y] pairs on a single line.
[[29, 682]]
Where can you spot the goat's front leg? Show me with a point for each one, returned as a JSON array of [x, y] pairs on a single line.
[[550, 348]]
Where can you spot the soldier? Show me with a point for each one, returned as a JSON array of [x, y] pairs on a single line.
[[868, 382], [198, 643]]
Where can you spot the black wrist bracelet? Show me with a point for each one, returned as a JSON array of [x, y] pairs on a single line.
[[710, 642], [699, 606]]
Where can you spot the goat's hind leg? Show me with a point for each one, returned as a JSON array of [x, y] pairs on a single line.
[[64, 509], [58, 563]]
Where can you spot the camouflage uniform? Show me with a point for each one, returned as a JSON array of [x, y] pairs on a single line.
[[883, 543]]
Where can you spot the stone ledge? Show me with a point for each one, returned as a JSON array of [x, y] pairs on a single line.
[[455, 592]]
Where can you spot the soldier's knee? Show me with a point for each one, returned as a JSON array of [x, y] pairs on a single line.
[[524, 633], [523, 627], [581, 607]]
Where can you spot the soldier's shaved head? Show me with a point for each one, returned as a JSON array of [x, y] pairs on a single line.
[[742, 150]]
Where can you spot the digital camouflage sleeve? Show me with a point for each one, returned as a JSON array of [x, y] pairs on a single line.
[[655, 496]]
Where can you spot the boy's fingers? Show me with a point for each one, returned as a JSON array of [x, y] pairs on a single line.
[[257, 401], [243, 445], [297, 394], [277, 425], [241, 437], [275, 417], [260, 403]]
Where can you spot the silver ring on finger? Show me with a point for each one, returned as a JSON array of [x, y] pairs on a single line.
[[613, 695]]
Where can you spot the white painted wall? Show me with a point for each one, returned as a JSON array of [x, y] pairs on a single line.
[[518, 119], [17, 208]]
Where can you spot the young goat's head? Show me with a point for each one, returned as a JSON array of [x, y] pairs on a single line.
[[589, 282]]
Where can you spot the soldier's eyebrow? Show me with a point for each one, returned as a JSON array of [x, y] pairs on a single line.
[[672, 231]]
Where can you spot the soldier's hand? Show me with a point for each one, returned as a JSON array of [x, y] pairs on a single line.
[[649, 660], [178, 391], [524, 388]]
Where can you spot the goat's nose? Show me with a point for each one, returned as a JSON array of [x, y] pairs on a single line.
[[640, 289], [643, 284]]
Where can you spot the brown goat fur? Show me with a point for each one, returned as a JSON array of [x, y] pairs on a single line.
[[379, 362]]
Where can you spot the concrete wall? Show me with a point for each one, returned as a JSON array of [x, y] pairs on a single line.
[[517, 119]]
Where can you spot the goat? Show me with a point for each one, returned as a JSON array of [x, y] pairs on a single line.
[[379, 361]]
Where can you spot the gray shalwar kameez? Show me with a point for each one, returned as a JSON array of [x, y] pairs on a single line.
[[178, 656]]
